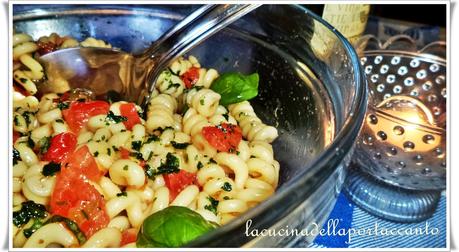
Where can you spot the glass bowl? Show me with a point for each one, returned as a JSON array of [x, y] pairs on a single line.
[[312, 88]]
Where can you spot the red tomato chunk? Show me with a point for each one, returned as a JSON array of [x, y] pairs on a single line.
[[224, 137], [176, 182], [190, 77], [78, 114], [73, 197], [60, 147], [129, 111], [128, 236]]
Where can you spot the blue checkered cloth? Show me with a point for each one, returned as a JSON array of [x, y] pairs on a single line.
[[351, 216]]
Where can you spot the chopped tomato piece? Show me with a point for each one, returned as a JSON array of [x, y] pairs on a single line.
[[224, 137], [16, 135], [19, 88], [64, 97], [176, 182], [190, 77], [129, 111], [124, 153], [78, 114], [83, 162], [60, 147], [73, 197], [46, 47], [128, 236]]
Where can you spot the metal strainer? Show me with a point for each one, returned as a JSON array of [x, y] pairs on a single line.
[[403, 139]]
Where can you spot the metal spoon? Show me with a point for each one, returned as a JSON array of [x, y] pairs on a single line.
[[101, 71]]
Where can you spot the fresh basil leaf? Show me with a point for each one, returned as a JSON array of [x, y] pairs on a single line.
[[236, 87], [173, 226]]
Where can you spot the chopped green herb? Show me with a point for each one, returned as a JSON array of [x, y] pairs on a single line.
[[37, 223], [136, 145], [126, 167], [109, 151], [197, 88], [226, 116], [226, 198], [150, 155], [152, 138], [51, 168], [201, 101], [171, 166], [200, 165], [173, 85], [123, 193], [179, 145], [115, 118], [211, 160], [16, 120], [23, 80], [63, 105], [44, 143], [149, 172], [161, 130], [137, 155], [28, 211], [185, 109], [171, 72], [213, 205], [59, 121], [96, 154], [26, 116], [227, 187], [115, 148], [30, 142], [16, 156]]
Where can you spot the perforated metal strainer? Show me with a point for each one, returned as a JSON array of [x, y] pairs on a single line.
[[403, 140]]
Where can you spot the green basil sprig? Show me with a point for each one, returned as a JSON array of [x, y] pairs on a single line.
[[236, 87], [173, 226]]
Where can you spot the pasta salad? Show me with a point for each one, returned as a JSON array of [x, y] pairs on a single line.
[[92, 173]]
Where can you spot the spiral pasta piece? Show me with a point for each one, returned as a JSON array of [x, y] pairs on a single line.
[[193, 122], [204, 101], [49, 234], [169, 83], [160, 113], [252, 127]]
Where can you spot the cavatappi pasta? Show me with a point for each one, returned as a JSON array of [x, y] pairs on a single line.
[[137, 160]]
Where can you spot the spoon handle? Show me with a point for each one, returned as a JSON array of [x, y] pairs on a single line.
[[189, 32]]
